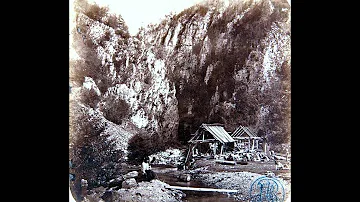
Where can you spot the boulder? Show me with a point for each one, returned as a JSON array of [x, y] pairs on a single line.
[[185, 177], [131, 174], [115, 182], [129, 183]]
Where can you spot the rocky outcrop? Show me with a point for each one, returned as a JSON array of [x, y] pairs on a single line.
[[148, 191], [228, 64], [129, 183], [213, 62]]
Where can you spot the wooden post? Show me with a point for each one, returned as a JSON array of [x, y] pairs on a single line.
[[253, 144], [221, 151], [188, 156], [265, 147]]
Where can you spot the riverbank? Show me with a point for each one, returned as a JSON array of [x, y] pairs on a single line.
[[204, 173]]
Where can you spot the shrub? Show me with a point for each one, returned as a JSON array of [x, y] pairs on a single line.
[[76, 72], [89, 98], [92, 153], [96, 12], [115, 110], [144, 144], [112, 21]]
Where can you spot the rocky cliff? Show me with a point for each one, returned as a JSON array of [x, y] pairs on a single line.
[[214, 62], [229, 63]]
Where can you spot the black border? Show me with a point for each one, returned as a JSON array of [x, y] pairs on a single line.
[[44, 123], [39, 101]]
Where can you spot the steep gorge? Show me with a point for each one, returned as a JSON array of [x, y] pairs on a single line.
[[229, 64], [214, 62]]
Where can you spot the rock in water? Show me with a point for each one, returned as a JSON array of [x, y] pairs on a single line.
[[129, 183], [185, 177]]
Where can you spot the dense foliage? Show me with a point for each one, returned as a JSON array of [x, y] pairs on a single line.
[[94, 156], [228, 65]]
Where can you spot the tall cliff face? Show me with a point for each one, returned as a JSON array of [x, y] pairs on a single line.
[[229, 64], [213, 62]]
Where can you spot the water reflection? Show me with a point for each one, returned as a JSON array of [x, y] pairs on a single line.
[[169, 176]]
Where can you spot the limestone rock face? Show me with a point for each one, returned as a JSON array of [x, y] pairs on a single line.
[[229, 63], [213, 62]]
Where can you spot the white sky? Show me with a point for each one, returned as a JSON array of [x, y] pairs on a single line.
[[137, 13]]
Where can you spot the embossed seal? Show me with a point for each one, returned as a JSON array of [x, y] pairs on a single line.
[[266, 189]]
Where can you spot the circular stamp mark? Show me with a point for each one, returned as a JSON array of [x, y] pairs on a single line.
[[267, 189]]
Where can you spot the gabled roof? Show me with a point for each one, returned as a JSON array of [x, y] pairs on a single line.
[[241, 131], [216, 130]]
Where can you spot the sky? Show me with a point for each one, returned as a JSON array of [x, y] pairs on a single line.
[[137, 13]]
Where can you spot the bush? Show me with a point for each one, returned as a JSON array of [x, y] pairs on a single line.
[[144, 144], [92, 153], [96, 12], [88, 66], [89, 98], [115, 110], [112, 21]]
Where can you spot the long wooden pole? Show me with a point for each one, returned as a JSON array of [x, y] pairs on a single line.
[[200, 189]]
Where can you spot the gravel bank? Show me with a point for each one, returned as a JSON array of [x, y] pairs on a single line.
[[236, 180]]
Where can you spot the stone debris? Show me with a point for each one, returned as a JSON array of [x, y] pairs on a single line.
[[168, 157], [132, 174], [231, 180], [153, 191], [129, 183]]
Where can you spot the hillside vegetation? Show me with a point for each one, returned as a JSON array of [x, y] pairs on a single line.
[[212, 62]]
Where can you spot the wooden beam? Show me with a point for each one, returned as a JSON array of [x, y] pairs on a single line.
[[200, 189], [225, 162], [203, 141], [245, 138]]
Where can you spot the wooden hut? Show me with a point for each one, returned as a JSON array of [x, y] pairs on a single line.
[[245, 138], [209, 135]]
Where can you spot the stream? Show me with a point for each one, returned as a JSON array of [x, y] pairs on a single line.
[[169, 176]]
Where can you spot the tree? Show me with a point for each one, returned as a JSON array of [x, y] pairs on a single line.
[[115, 109], [94, 156]]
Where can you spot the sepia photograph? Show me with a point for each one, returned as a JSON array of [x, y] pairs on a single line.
[[179, 100]]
